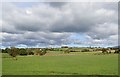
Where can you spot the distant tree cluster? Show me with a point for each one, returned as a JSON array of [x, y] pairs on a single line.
[[12, 51], [40, 51], [64, 47], [67, 51], [108, 50], [117, 50], [85, 50]]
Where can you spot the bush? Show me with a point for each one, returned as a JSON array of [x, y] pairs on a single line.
[[22, 52], [30, 53], [6, 50], [67, 51], [104, 50], [13, 52], [44, 51], [85, 50], [64, 47], [40, 51], [117, 51]]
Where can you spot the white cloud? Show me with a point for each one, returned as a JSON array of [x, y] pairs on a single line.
[[55, 23]]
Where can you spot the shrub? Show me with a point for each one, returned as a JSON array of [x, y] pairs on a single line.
[[3, 51], [117, 51], [22, 52], [85, 50], [64, 47], [30, 53], [104, 50], [40, 51], [13, 52], [44, 51], [67, 51], [6, 50]]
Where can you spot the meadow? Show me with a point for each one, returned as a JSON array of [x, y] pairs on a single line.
[[75, 63]]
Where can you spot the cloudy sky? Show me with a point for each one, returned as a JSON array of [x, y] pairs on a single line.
[[53, 24]]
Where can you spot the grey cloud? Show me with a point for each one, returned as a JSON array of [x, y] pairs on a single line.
[[57, 4], [83, 19], [103, 31], [34, 39], [46, 24], [69, 19]]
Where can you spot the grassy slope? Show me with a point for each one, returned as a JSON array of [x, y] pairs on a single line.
[[82, 64]]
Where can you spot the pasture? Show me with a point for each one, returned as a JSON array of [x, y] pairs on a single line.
[[57, 63]]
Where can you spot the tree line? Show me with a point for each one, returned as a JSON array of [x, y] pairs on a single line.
[[13, 51]]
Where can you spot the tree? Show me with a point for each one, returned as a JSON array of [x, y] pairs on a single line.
[[104, 50], [22, 51], [3, 51], [117, 50], [13, 52], [40, 51], [6, 50], [85, 50], [44, 51], [67, 50], [37, 52], [30, 52]]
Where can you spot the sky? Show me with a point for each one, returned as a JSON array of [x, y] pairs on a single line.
[[55, 24]]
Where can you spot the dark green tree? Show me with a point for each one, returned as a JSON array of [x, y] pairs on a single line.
[[6, 50], [85, 50], [117, 50], [30, 52], [104, 50], [13, 52], [22, 52]]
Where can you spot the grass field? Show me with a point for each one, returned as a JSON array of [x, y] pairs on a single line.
[[79, 64]]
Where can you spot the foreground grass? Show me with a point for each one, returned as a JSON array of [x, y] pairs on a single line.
[[82, 64]]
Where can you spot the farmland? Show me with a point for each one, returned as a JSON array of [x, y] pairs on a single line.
[[58, 63]]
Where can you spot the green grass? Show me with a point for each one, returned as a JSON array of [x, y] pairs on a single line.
[[81, 64]]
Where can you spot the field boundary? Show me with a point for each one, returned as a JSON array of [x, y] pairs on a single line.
[[60, 76]]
